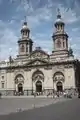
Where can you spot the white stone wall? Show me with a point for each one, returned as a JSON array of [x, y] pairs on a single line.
[[3, 80], [48, 83], [69, 78], [10, 81], [27, 80]]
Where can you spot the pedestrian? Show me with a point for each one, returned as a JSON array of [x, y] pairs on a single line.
[[34, 95]]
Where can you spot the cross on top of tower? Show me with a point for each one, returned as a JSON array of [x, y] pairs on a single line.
[[25, 18], [25, 22], [59, 14], [58, 11]]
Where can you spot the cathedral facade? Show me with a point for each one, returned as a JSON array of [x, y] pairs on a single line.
[[37, 71]]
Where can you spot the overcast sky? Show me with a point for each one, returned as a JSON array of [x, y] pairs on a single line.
[[41, 16]]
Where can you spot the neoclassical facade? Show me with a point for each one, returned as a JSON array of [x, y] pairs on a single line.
[[37, 71]]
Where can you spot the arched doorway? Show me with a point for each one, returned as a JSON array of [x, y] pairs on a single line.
[[19, 81], [38, 86], [37, 81], [58, 80], [20, 88], [59, 87]]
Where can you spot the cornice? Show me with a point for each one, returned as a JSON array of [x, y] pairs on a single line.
[[41, 65]]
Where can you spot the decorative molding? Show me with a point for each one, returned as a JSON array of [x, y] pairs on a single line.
[[58, 76], [68, 66], [38, 54], [36, 62], [19, 79], [19, 71], [27, 69], [38, 75], [48, 67], [60, 67], [10, 70]]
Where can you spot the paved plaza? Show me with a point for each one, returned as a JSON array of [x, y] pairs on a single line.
[[65, 110], [9, 105]]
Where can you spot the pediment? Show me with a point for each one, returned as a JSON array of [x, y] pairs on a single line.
[[39, 54], [36, 62]]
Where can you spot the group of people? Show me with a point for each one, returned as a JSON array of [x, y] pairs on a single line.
[[55, 94]]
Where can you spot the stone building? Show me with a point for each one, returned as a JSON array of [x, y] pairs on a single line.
[[37, 71]]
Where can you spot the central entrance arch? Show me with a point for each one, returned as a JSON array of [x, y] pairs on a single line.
[[38, 86], [59, 87], [20, 88], [37, 81]]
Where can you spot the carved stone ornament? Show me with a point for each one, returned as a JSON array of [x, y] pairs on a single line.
[[58, 77], [27, 69], [39, 54], [37, 62], [48, 68], [37, 76], [10, 70], [19, 79], [68, 66]]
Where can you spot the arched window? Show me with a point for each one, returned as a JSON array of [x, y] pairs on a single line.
[[58, 43], [63, 43], [22, 48], [61, 27]]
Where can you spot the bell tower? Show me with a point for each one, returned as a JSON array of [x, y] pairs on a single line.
[[25, 43], [60, 37]]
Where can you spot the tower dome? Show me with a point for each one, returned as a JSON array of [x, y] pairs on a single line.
[[24, 26], [25, 30]]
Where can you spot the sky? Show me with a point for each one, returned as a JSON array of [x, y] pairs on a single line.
[[40, 16]]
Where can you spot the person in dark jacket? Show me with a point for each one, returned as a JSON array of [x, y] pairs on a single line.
[[0, 95]]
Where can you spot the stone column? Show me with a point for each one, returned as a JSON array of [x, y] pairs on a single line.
[[16, 87]]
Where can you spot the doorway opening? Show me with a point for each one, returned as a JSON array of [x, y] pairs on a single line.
[[59, 87], [38, 86], [20, 88]]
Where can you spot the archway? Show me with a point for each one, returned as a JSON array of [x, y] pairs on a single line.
[[19, 81], [58, 76], [38, 74], [59, 87], [38, 86], [37, 81], [20, 88]]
